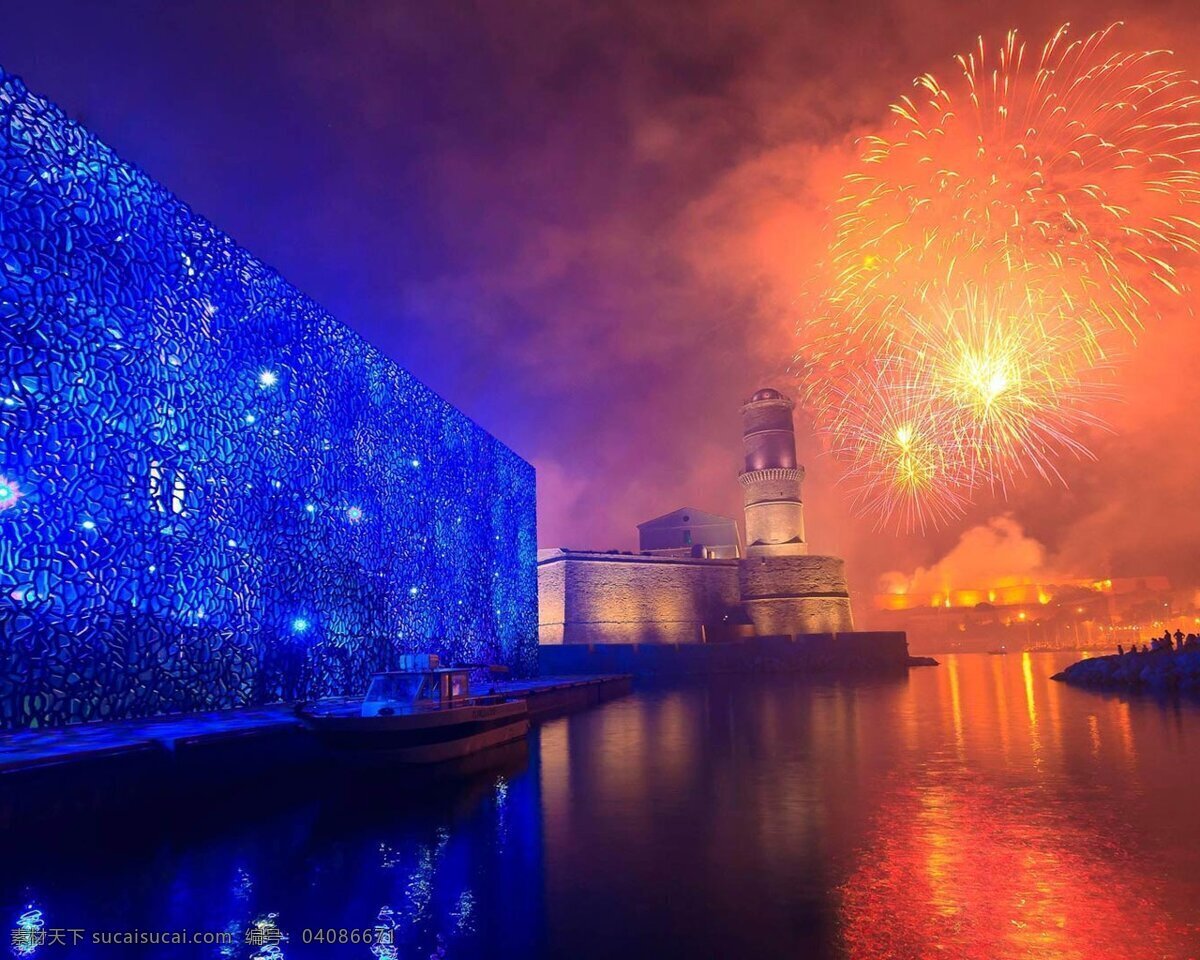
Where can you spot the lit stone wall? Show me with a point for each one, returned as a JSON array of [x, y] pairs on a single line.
[[790, 595], [212, 493], [610, 598], [551, 598]]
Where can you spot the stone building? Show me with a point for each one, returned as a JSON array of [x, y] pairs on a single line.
[[693, 581], [688, 532]]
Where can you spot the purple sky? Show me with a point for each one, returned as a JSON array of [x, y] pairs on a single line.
[[585, 224]]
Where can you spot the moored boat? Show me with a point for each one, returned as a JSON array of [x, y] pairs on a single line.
[[424, 714]]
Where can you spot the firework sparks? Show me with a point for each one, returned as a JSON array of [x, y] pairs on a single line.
[[989, 259], [1013, 379], [904, 463]]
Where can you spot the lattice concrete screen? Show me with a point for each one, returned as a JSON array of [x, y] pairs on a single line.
[[212, 493]]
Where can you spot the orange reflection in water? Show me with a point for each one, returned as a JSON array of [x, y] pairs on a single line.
[[969, 871], [973, 810], [973, 852]]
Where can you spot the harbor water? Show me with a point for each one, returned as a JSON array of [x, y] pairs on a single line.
[[974, 809]]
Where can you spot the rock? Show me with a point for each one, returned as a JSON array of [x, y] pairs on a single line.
[[1162, 671]]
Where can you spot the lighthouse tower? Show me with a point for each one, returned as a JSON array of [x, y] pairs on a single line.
[[785, 589], [772, 479]]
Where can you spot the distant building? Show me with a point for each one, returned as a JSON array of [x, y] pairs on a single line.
[[1069, 614], [688, 532], [692, 582]]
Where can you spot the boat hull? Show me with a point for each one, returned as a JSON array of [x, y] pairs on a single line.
[[421, 738]]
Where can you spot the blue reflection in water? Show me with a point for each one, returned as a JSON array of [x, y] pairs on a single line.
[[464, 914], [243, 884], [264, 935], [501, 801], [384, 941], [29, 932], [393, 877], [438, 915], [242, 889]]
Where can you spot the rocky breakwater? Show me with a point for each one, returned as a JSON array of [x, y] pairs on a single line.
[[1161, 671]]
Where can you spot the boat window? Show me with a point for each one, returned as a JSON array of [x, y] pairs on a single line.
[[458, 685], [401, 688]]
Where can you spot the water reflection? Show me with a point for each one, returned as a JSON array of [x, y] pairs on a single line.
[[972, 810], [703, 816], [976, 810], [1034, 836], [359, 874], [29, 932], [967, 870]]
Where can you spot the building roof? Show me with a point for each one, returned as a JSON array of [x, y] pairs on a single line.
[[686, 516], [559, 554]]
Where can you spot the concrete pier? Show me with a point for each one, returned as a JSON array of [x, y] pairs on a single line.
[[87, 768], [852, 653]]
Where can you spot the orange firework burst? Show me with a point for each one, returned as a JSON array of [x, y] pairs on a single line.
[[994, 254]]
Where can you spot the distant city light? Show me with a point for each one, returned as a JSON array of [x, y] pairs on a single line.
[[300, 625], [412, 591], [88, 524], [416, 463], [354, 514], [310, 508], [250, 418], [267, 379]]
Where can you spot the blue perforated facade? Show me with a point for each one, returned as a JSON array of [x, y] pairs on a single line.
[[212, 493]]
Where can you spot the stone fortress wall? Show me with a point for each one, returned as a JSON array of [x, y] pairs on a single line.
[[788, 595], [629, 598]]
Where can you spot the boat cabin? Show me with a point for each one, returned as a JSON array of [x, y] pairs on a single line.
[[410, 691]]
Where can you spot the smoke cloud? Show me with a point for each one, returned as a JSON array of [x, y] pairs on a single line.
[[590, 227], [994, 554]]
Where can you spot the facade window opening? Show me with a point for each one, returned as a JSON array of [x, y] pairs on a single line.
[[687, 538], [177, 493], [156, 485], [167, 488]]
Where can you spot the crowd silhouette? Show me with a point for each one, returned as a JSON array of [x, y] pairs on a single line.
[[1164, 644]]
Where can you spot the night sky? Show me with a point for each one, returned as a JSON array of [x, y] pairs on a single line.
[[589, 225]]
